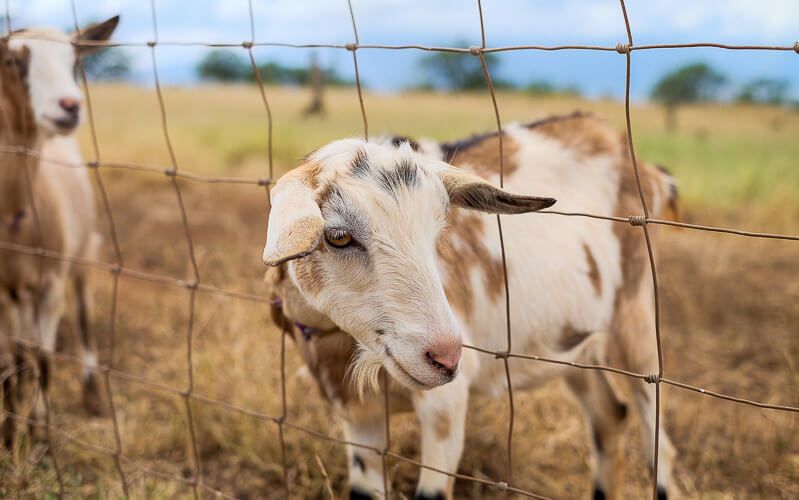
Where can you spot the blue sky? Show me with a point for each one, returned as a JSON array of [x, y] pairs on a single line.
[[441, 22]]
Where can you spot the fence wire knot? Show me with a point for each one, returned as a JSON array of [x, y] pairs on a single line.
[[264, 182], [93, 164], [502, 486], [501, 355], [246, 45], [637, 220], [351, 47], [152, 43], [475, 51], [622, 48], [796, 47], [652, 378]]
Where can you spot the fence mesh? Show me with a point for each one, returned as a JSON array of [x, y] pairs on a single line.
[[173, 173]]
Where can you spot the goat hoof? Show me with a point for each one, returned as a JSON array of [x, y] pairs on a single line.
[[356, 494], [9, 431], [421, 495], [93, 401], [599, 493], [662, 495]]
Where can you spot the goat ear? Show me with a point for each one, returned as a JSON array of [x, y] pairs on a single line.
[[469, 191], [295, 221], [96, 32]]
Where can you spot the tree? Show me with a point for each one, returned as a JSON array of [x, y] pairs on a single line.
[[764, 91], [696, 82], [109, 64], [454, 71], [223, 66], [544, 88], [317, 84], [227, 66]]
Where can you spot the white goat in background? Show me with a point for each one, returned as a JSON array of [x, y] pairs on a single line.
[[45, 109], [380, 241]]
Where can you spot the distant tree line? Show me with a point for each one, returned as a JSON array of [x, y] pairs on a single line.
[[464, 72], [699, 82], [693, 83], [227, 66]]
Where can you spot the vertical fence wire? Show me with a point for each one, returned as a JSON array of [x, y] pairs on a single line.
[[196, 478], [188, 394], [353, 47], [649, 247], [119, 263], [480, 52]]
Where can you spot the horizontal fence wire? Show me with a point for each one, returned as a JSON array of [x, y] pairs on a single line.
[[117, 269]]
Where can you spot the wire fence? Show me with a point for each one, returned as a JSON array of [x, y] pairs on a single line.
[[117, 268]]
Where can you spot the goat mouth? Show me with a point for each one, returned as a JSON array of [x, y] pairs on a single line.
[[64, 125], [414, 380]]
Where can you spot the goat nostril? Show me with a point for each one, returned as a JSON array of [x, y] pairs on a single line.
[[433, 361], [444, 364], [69, 105]]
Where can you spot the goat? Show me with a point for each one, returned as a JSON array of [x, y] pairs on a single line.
[[45, 205], [379, 240]]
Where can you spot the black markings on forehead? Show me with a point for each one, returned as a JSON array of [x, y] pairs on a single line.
[[396, 141], [360, 165], [335, 202], [404, 175]]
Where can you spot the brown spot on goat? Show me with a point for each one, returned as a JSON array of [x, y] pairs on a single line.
[[634, 255], [462, 249], [593, 270], [272, 278], [570, 337], [310, 173], [442, 426], [583, 134], [480, 154], [16, 113], [669, 193]]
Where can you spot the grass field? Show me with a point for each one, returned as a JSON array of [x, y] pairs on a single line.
[[729, 307]]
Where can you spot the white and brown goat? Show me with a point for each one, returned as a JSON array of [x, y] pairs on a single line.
[[385, 241], [44, 205]]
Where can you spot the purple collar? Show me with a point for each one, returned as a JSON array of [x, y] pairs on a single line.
[[16, 221], [308, 332]]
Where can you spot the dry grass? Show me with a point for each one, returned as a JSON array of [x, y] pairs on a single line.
[[729, 308]]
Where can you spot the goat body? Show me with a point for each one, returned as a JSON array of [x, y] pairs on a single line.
[[43, 205], [580, 290]]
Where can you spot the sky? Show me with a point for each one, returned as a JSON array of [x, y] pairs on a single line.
[[450, 22]]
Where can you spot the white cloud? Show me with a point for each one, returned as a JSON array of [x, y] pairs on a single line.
[[439, 21]]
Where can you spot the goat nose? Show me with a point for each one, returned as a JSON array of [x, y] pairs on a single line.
[[70, 105], [445, 355]]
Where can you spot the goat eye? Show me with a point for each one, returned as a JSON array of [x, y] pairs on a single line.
[[22, 67], [339, 238]]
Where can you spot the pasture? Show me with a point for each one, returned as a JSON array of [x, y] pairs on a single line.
[[729, 311]]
